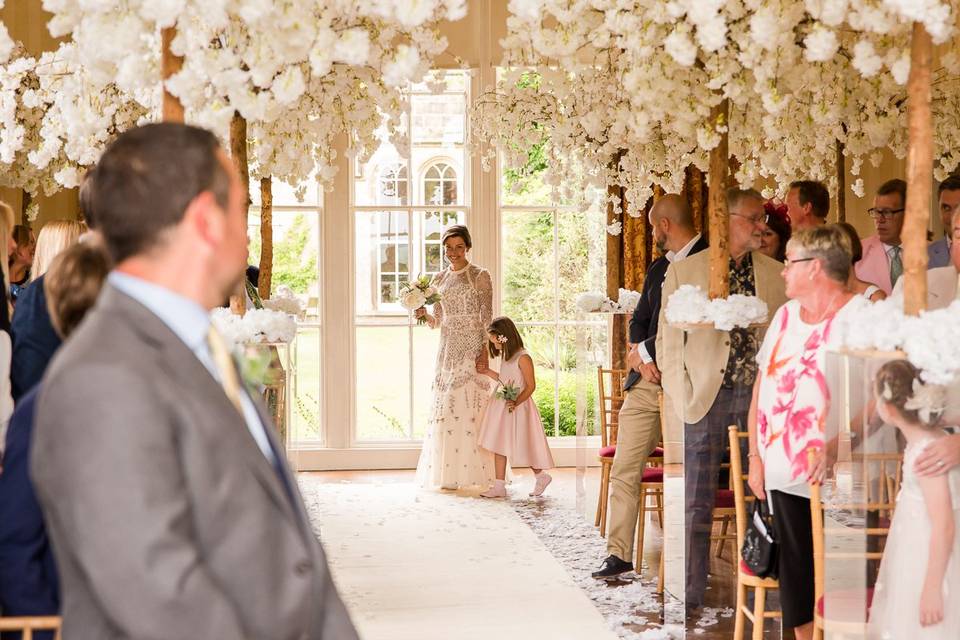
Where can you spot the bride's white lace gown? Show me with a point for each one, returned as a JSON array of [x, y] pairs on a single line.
[[450, 456]]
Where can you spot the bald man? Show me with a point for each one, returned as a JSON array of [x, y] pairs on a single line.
[[639, 419]]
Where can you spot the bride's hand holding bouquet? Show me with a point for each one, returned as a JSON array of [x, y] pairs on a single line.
[[415, 295]]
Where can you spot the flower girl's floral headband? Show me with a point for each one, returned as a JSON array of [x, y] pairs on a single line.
[[502, 339], [928, 400]]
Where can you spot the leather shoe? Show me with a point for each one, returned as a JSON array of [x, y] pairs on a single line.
[[612, 567]]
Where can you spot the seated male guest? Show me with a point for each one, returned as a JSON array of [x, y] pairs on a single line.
[[882, 262], [28, 573], [709, 374], [171, 508], [639, 418], [942, 281], [948, 202]]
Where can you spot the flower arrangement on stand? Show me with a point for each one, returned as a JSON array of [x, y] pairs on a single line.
[[689, 306], [597, 302]]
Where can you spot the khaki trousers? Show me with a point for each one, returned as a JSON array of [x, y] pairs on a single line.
[[638, 435]]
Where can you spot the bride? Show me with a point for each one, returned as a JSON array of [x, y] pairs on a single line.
[[451, 457]]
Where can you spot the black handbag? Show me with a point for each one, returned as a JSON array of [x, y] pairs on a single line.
[[760, 546]]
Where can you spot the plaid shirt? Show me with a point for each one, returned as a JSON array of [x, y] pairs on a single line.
[[741, 366]]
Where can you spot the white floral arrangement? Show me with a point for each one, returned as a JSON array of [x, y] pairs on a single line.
[[597, 302], [255, 326], [285, 301], [930, 341], [689, 305]]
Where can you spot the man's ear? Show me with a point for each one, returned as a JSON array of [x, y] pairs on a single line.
[[204, 218]]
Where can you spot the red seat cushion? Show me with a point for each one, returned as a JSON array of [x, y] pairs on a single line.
[[846, 605], [607, 452], [745, 569], [652, 474], [725, 499], [656, 453]]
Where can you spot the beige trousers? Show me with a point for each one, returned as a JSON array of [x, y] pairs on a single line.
[[638, 435]]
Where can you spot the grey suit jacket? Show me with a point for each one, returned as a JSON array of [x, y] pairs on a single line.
[[167, 520], [938, 254]]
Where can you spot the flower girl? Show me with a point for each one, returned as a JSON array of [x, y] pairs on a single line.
[[511, 426], [920, 570]]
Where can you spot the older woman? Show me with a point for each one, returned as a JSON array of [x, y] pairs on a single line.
[[451, 458], [790, 404]]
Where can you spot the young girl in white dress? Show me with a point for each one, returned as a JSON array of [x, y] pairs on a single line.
[[512, 428], [915, 597]]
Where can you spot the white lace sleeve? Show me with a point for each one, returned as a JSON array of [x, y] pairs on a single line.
[[485, 288], [437, 308]]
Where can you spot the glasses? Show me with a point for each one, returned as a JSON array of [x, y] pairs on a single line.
[[756, 220], [883, 214], [790, 261]]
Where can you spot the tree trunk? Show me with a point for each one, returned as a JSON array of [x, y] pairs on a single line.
[[919, 174], [169, 65], [717, 210], [238, 151], [841, 185], [266, 237]]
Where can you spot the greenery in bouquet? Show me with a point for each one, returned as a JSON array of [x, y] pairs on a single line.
[[508, 391], [415, 295]]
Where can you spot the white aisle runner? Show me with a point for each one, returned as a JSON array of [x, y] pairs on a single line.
[[420, 565]]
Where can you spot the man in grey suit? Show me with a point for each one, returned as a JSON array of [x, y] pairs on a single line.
[[948, 201], [171, 509]]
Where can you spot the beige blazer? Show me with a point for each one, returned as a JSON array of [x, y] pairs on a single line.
[[941, 287], [166, 518], [694, 388]]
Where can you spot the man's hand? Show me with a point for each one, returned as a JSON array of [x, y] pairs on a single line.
[[649, 372], [939, 457], [634, 361]]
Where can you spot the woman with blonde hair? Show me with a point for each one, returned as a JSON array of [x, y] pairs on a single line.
[[55, 236], [34, 339]]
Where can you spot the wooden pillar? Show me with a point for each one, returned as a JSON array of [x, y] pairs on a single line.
[[169, 65], [266, 236], [841, 185], [238, 151], [919, 173], [618, 335], [717, 209]]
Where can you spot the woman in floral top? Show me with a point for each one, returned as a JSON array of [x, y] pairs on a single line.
[[791, 402]]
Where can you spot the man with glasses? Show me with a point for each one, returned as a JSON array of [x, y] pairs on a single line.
[[948, 202], [882, 262], [709, 374]]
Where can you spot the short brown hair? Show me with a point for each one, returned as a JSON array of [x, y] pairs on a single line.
[[145, 180], [22, 235], [512, 343], [815, 194], [894, 384], [73, 283], [894, 186], [951, 183], [457, 231]]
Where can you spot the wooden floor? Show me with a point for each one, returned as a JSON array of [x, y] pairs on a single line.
[[581, 493]]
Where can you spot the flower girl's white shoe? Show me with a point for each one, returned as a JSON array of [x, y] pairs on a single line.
[[543, 479], [498, 490]]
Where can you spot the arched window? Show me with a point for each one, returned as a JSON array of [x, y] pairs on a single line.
[[440, 185], [392, 184]]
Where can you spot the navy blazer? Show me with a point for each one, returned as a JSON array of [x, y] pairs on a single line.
[[28, 575], [938, 254], [646, 317], [34, 340]]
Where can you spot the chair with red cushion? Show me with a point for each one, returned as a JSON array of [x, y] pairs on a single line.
[[745, 578]]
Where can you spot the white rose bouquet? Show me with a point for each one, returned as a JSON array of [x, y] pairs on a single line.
[[417, 294]]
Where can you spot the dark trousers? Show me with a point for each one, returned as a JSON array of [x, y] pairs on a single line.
[[704, 445], [791, 519]]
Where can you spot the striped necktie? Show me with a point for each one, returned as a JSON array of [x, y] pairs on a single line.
[[225, 367], [896, 266]]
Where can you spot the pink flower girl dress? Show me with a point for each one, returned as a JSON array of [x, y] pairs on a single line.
[[518, 435]]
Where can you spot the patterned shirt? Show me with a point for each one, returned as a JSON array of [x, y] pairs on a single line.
[[741, 366]]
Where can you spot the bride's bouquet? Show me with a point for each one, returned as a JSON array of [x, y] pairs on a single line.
[[417, 294]]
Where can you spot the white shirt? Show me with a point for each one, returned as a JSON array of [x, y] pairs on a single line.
[[671, 257], [191, 323]]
